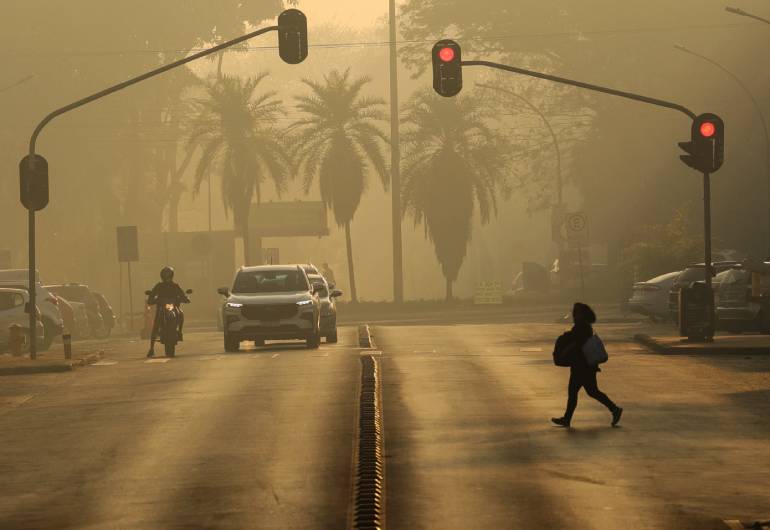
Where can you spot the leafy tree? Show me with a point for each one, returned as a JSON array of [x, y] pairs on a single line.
[[454, 162], [337, 143], [235, 129]]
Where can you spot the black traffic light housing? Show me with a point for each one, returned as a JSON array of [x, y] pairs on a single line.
[[447, 68], [33, 182], [292, 36], [706, 148]]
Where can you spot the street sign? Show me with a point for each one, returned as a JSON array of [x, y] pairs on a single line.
[[576, 227], [488, 293], [33, 182], [289, 219], [128, 244]]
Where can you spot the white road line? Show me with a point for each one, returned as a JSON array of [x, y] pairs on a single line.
[[104, 363], [530, 349], [424, 351], [320, 355], [275, 355], [156, 361]]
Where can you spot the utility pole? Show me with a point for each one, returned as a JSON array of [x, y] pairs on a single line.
[[395, 164]]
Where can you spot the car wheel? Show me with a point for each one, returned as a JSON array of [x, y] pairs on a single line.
[[232, 344], [49, 333], [313, 341], [331, 338]]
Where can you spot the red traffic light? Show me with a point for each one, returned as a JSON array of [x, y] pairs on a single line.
[[707, 129], [446, 54]]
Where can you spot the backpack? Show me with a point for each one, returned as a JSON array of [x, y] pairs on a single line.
[[564, 351]]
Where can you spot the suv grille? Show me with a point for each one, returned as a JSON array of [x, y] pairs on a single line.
[[269, 312]]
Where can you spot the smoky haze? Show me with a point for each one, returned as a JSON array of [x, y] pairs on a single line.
[[123, 161]]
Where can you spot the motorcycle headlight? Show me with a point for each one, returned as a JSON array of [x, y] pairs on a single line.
[[233, 305]]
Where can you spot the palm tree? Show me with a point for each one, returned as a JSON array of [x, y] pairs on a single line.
[[236, 132], [338, 142], [453, 162]]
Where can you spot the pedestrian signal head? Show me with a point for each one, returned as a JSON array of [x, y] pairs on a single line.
[[292, 36], [447, 68]]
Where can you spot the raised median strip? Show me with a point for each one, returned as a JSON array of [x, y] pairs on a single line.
[[365, 336], [47, 363], [738, 525], [722, 345], [369, 493]]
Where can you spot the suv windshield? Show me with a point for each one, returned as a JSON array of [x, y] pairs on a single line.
[[270, 281]]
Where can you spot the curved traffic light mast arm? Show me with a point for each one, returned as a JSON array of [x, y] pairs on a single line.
[[580, 84], [138, 79]]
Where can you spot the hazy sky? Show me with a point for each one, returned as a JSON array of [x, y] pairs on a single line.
[[348, 13]]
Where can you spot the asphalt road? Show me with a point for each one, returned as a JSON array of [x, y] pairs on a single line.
[[264, 438], [258, 439], [469, 444]]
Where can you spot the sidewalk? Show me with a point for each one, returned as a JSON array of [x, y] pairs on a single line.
[[46, 362], [722, 344]]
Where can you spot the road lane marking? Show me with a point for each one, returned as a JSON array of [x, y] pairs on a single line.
[[156, 361], [530, 349], [320, 355], [104, 363], [275, 355], [424, 351]]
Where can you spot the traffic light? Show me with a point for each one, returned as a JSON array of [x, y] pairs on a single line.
[[33, 182], [292, 36], [447, 68], [706, 148]]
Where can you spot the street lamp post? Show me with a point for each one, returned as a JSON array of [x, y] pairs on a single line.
[[395, 163], [292, 47], [762, 120], [559, 178]]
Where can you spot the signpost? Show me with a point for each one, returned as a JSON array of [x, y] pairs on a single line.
[[576, 225], [128, 251]]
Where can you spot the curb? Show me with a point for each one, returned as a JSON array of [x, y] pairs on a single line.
[[369, 503], [51, 368], [737, 525], [364, 336], [657, 347]]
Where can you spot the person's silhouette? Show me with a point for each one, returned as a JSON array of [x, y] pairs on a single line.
[[582, 375]]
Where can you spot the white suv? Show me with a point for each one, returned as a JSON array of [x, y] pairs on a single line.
[[271, 302]]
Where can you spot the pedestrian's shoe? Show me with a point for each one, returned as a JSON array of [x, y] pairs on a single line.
[[151, 354], [561, 422], [616, 415]]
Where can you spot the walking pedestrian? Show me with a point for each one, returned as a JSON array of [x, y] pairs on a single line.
[[569, 352]]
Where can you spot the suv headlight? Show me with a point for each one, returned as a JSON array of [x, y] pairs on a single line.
[[304, 303], [233, 305]]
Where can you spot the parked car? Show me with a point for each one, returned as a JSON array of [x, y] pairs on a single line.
[[108, 314], [693, 273], [650, 298], [76, 292], [735, 310], [75, 318], [327, 295], [271, 302], [13, 310], [50, 315]]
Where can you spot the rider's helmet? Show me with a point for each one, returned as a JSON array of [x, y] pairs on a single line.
[[167, 273]]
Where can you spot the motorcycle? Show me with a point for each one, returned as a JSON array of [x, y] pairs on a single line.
[[168, 322]]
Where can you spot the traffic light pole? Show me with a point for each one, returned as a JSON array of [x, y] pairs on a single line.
[[80, 103], [709, 268]]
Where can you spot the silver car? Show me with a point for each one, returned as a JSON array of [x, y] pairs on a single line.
[[650, 298], [271, 302], [327, 295]]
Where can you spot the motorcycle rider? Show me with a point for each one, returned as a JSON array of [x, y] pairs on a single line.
[[165, 290]]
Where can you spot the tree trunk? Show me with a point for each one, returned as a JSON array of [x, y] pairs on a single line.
[[449, 289], [246, 241], [351, 273]]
